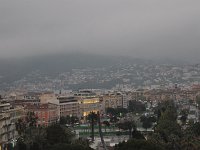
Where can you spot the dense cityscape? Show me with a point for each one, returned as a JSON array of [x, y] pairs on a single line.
[[120, 76], [130, 107], [99, 75]]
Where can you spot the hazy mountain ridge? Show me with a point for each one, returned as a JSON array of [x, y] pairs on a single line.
[[53, 64], [14, 69]]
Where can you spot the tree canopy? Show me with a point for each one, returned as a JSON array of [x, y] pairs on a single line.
[[138, 144]]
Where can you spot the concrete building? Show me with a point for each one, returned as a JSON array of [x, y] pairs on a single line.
[[126, 98], [88, 102], [47, 113], [8, 117], [112, 100], [69, 106]]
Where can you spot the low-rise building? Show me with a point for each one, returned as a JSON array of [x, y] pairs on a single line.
[[88, 102]]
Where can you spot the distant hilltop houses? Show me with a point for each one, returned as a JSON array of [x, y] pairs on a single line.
[[49, 107], [119, 76]]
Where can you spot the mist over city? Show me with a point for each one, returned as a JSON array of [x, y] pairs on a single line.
[[109, 74]]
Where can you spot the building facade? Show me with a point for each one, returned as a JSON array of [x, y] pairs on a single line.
[[47, 113], [69, 106], [9, 115]]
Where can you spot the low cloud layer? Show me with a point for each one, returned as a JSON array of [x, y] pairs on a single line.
[[144, 29]]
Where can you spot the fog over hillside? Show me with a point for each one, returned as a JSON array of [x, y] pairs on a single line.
[[55, 36], [53, 64], [16, 68]]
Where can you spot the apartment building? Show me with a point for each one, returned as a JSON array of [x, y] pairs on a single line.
[[47, 113], [8, 117], [113, 100], [69, 106]]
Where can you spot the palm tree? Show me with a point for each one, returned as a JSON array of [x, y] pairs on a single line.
[[92, 118]]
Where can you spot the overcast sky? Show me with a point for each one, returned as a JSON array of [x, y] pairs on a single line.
[[142, 28]]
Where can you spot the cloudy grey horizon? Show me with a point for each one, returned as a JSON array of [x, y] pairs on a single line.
[[142, 29]]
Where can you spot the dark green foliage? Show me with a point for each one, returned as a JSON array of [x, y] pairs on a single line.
[[146, 124], [159, 113], [69, 147], [10, 146], [92, 116], [114, 119], [20, 145], [106, 123], [52, 137], [198, 100], [136, 106], [153, 119], [31, 119], [184, 115], [137, 135], [135, 144], [167, 126], [64, 120], [147, 121], [116, 111], [69, 120], [35, 146], [56, 134], [127, 125], [20, 126], [195, 129]]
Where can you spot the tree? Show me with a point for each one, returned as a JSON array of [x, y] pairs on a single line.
[[31, 119], [82, 141], [69, 120], [27, 129], [167, 126], [198, 100], [20, 126], [92, 118], [63, 120], [116, 111], [127, 125], [183, 116], [138, 144], [106, 124], [114, 119], [147, 121], [195, 129], [20, 144], [64, 146], [136, 106], [137, 135], [57, 134]]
